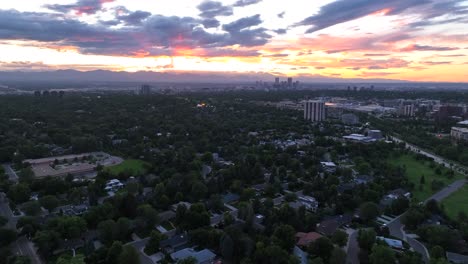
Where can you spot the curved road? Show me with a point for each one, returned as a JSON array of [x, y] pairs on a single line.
[[396, 227]]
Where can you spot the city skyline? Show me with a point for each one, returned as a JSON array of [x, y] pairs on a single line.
[[415, 40]]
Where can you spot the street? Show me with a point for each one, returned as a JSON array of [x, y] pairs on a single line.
[[22, 246], [11, 173], [353, 247], [396, 227]]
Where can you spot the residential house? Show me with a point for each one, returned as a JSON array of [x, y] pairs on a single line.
[[305, 239], [204, 256], [329, 225]]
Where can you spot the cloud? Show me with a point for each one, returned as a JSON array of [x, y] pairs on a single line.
[[344, 10], [376, 54], [154, 36], [134, 18], [281, 15], [417, 47], [280, 31], [242, 31], [81, 7], [241, 3], [211, 23], [436, 62], [212, 9], [243, 23]]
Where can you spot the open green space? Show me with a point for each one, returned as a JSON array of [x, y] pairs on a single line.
[[131, 166], [416, 168], [456, 203]]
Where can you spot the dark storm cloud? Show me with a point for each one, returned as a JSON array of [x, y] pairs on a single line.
[[241, 31], [247, 2], [211, 23], [344, 10], [212, 9], [134, 18], [80, 7], [417, 47], [140, 36], [243, 23]]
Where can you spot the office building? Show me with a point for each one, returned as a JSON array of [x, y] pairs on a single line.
[[408, 110], [314, 111], [290, 82], [145, 90], [277, 82]]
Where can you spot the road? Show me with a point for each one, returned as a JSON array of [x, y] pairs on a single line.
[[22, 245], [447, 163], [352, 256], [11, 173], [396, 227]]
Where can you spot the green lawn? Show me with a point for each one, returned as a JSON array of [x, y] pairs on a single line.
[[415, 169], [131, 166], [456, 203]]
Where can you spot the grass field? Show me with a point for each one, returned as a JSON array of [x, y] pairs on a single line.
[[131, 166], [415, 169], [456, 203]]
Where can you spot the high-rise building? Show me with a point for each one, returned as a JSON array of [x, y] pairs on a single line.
[[145, 90], [314, 111], [408, 110], [277, 81], [290, 82]]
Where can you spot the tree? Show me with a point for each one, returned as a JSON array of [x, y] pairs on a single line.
[[382, 255], [284, 236], [49, 202], [31, 208], [153, 243], [3, 221], [66, 259], [422, 180], [46, 241], [366, 238], [227, 246], [340, 238], [338, 256], [114, 252], [69, 227], [7, 236], [129, 255], [399, 205], [123, 228], [413, 217], [437, 252], [19, 193], [147, 216], [189, 260], [322, 248], [107, 230], [369, 211]]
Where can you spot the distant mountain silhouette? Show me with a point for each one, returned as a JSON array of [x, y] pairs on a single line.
[[166, 77]]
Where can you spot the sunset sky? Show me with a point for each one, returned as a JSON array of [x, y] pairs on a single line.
[[417, 40]]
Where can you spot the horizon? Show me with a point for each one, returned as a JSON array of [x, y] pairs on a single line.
[[416, 41]]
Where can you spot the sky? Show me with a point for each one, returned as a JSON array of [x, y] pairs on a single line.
[[415, 40]]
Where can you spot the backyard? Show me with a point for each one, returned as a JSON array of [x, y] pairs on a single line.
[[131, 167], [417, 168]]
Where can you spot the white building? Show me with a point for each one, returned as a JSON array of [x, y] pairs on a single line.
[[314, 111], [459, 133], [408, 110], [375, 134]]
